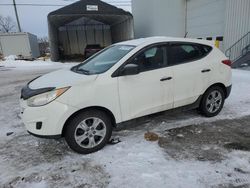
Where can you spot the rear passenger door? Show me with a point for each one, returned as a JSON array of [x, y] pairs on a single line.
[[190, 72]]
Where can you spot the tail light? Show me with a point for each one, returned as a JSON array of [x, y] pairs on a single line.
[[227, 62]]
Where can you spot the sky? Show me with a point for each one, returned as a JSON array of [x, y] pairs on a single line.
[[33, 19]]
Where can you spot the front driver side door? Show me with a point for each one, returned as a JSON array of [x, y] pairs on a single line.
[[151, 90]]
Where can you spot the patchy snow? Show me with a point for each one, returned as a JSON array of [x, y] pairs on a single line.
[[41, 184], [10, 58], [239, 101], [138, 163], [26, 161], [10, 62]]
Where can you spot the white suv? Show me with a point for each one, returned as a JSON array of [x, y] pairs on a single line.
[[123, 82]]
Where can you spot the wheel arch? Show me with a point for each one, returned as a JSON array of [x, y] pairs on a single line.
[[221, 85], [100, 108]]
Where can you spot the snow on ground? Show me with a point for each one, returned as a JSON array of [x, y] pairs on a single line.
[[10, 62], [26, 161]]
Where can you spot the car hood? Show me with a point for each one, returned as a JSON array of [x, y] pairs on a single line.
[[59, 79]]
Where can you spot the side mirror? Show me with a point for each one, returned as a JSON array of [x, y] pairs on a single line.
[[130, 69]]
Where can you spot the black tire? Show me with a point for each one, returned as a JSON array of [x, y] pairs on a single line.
[[74, 123], [204, 107]]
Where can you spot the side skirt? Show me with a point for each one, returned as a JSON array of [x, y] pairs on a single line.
[[46, 137], [145, 119]]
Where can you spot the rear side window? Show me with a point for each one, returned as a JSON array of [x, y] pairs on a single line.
[[181, 53], [205, 49], [184, 53]]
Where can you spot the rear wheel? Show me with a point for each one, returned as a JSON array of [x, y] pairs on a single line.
[[88, 132], [212, 101]]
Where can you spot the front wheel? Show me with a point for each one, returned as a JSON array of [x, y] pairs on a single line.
[[212, 101], [88, 131]]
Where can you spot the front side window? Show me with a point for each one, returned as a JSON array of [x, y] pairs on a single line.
[[181, 53], [104, 60], [150, 59]]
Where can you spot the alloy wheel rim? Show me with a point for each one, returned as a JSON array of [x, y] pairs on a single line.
[[214, 101], [90, 132]]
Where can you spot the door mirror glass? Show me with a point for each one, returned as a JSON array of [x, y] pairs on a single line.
[[130, 69]]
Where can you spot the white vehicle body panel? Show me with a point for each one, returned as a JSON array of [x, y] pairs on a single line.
[[61, 78], [145, 94], [126, 97], [189, 82]]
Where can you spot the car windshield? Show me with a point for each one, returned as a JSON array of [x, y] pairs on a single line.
[[104, 60]]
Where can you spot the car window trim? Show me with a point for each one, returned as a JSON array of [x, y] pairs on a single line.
[[116, 73]]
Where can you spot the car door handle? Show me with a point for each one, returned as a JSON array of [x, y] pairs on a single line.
[[205, 70], [165, 79]]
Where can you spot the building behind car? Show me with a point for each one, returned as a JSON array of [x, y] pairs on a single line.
[[224, 21], [87, 22]]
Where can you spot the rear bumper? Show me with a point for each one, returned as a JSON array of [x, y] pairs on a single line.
[[228, 91]]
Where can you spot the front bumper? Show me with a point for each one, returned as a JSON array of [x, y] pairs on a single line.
[[50, 118]]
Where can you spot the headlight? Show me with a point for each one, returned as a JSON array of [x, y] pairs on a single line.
[[45, 98]]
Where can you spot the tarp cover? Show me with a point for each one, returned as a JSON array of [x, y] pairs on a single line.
[[120, 21]]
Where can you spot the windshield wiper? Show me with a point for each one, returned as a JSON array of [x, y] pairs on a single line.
[[81, 71]]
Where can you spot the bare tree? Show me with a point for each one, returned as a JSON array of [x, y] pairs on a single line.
[[7, 24], [43, 45]]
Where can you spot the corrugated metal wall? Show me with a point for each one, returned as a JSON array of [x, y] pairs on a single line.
[[237, 21], [205, 18], [159, 18], [227, 20]]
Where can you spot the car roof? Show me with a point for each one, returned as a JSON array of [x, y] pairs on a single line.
[[152, 40]]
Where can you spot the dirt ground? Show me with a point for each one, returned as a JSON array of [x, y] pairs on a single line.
[[207, 141]]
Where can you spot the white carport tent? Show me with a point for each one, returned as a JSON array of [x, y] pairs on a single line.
[[73, 26]]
